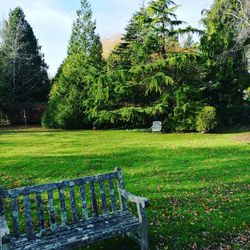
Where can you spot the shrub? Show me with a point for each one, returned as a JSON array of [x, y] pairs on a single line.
[[206, 120]]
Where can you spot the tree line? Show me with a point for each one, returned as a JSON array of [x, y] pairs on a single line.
[[152, 74]]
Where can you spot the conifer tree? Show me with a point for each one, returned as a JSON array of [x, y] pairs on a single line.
[[149, 74], [24, 72], [70, 92], [226, 68]]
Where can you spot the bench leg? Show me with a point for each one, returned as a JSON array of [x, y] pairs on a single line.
[[143, 228], [4, 246], [144, 238]]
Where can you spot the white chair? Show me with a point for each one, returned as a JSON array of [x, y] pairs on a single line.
[[157, 126]]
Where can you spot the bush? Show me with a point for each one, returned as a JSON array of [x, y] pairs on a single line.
[[206, 120]]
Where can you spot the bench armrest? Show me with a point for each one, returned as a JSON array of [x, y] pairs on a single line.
[[4, 230], [136, 199]]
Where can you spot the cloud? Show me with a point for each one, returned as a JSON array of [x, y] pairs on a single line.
[[52, 20]]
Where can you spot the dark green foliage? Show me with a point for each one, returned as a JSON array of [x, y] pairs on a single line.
[[70, 92], [149, 74], [226, 69], [23, 70], [206, 120]]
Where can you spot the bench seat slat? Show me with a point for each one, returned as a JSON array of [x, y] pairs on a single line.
[[84, 233]]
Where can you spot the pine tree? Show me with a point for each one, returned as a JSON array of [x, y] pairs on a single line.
[[70, 92], [25, 72]]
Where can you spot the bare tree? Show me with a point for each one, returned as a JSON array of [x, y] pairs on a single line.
[[242, 14], [241, 19]]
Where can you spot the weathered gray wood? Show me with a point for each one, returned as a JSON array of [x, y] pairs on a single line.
[[57, 185], [73, 203], [133, 198], [134, 237], [2, 208], [15, 217], [74, 236], [141, 204], [103, 197], [93, 199], [4, 229], [143, 227], [112, 195], [40, 213], [121, 187], [51, 209], [64, 217], [28, 218], [85, 230], [85, 214]]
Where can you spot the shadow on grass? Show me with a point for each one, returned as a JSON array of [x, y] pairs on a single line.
[[183, 164], [198, 195]]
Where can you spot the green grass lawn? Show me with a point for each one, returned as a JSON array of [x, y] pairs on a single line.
[[198, 184]]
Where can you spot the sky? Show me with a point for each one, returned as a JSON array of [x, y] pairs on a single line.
[[52, 20]]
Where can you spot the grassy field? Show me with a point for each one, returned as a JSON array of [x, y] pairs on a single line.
[[198, 184]]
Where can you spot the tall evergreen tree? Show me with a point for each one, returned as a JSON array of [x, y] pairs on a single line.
[[24, 72], [226, 69], [70, 92], [149, 74]]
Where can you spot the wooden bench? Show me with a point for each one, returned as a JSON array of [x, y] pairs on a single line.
[[70, 213]]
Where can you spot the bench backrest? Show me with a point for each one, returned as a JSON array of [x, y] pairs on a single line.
[[54, 205]]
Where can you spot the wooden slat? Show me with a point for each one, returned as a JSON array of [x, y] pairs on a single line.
[[28, 218], [73, 203], [93, 199], [57, 185], [2, 208], [64, 217], [73, 236], [51, 209], [103, 197], [121, 187], [40, 214], [112, 195], [15, 217], [84, 203], [95, 228]]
